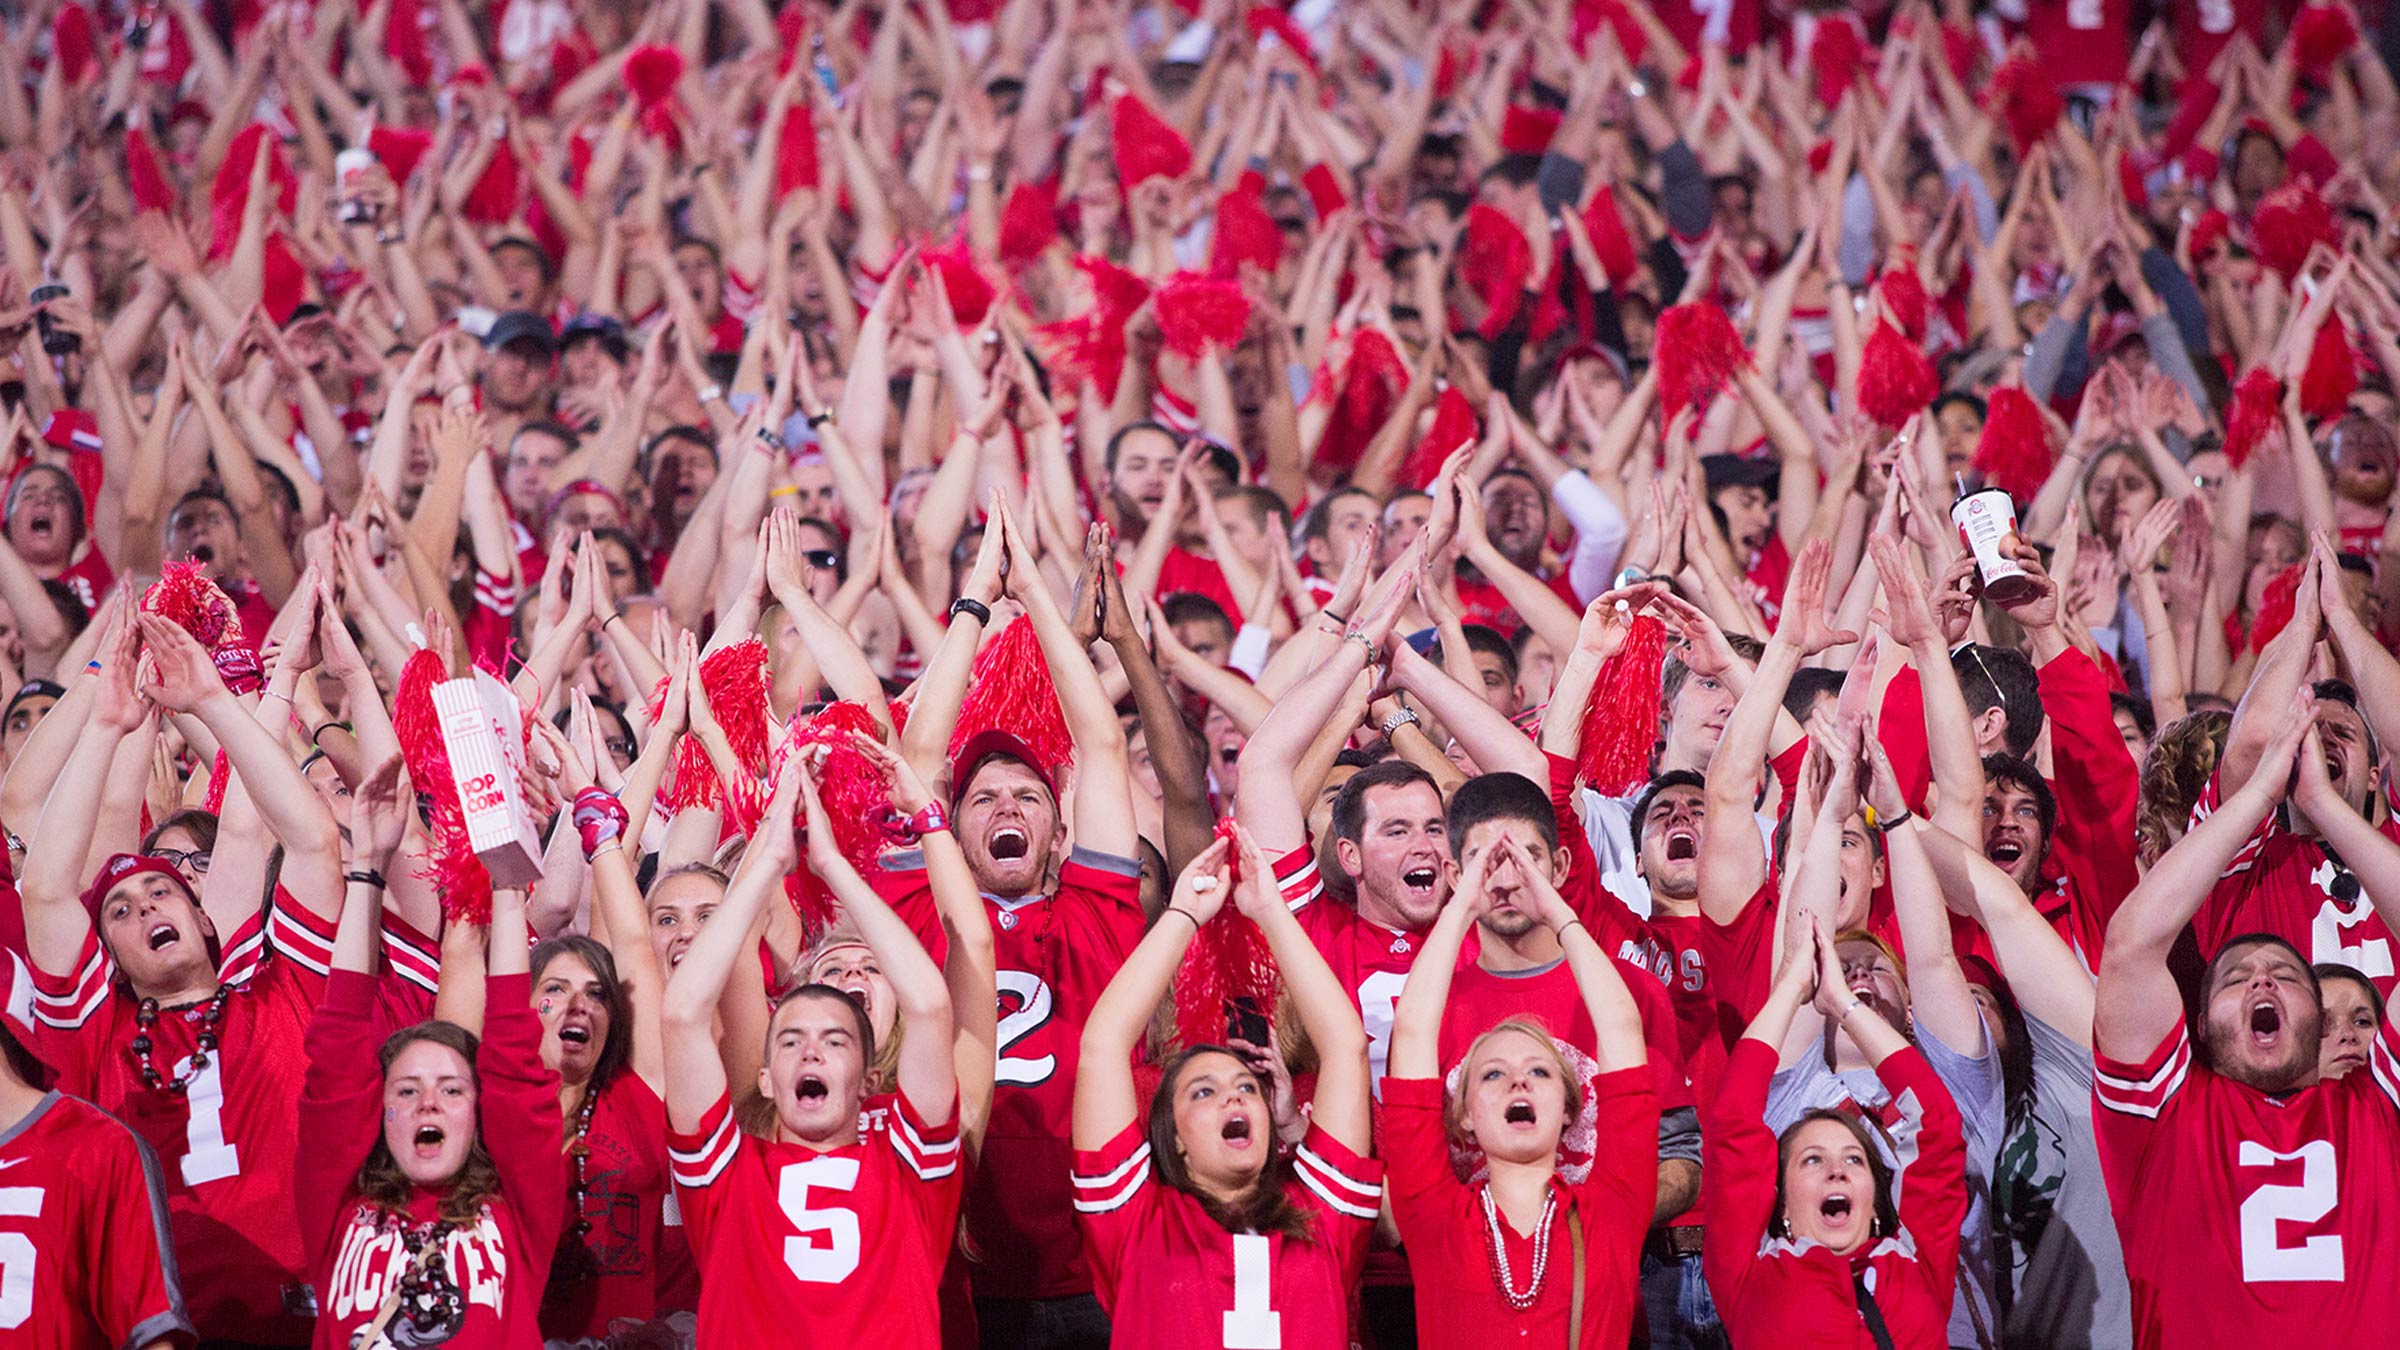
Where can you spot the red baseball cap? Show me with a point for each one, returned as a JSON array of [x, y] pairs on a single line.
[[988, 744], [121, 866]]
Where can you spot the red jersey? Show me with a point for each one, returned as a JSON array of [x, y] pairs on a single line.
[[1740, 956], [1185, 570], [2082, 42], [1055, 954], [2202, 28], [838, 1247], [1449, 1237], [1173, 1279], [360, 1250], [1479, 999], [624, 1201], [1733, 23], [2286, 884], [227, 1142], [89, 576], [86, 1262], [1369, 959], [2248, 1217], [1795, 1292]]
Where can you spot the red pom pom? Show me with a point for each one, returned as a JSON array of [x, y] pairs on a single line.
[[2254, 410], [1146, 147], [2276, 605], [1495, 261], [1227, 962], [796, 152], [735, 680], [283, 279], [1620, 723], [229, 192], [494, 198], [2290, 222], [1028, 223], [2321, 35], [2209, 231], [852, 791], [1371, 384], [1606, 227], [2332, 373], [1454, 425], [1836, 57], [1895, 379], [971, 292], [143, 176], [400, 149], [1091, 345], [1195, 311], [1697, 351], [651, 73], [184, 596], [1265, 19], [1904, 299], [2014, 453], [1245, 234], [1527, 131], [1010, 690], [457, 875], [72, 43], [2026, 98]]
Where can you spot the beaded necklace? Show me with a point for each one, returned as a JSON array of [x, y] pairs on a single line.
[[574, 1258], [146, 1017], [1541, 1251], [429, 1298]]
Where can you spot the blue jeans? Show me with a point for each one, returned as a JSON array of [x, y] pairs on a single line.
[[1675, 1297], [1071, 1323]]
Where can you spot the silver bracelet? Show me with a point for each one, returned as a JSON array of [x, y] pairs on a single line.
[[1402, 718]]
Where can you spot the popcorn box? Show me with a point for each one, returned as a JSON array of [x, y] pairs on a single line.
[[483, 729]]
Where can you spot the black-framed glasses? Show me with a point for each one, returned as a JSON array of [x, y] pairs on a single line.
[[823, 559], [195, 859]]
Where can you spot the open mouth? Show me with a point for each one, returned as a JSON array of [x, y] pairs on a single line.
[[1518, 1113], [1009, 843], [575, 1034], [1230, 754], [811, 1090], [42, 525], [1236, 1130], [428, 1139], [1682, 846], [2007, 852], [162, 936], [2266, 1020], [1834, 1208], [1420, 878], [204, 554]]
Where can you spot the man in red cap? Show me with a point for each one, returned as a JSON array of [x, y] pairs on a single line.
[[1064, 898]]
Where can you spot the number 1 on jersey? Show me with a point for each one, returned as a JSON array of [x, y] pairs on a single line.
[[207, 1154], [1253, 1324]]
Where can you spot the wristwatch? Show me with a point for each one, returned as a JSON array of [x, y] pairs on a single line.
[[1396, 720], [1883, 824], [969, 605]]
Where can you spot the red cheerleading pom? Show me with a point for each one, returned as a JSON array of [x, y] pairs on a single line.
[[855, 800], [457, 875], [1606, 228], [2276, 606], [1010, 690], [2332, 373], [144, 179], [1620, 723], [1371, 384], [2289, 223], [1698, 353], [2322, 35], [400, 149], [735, 680], [1496, 261], [1904, 298], [1245, 235], [1228, 963], [1895, 378], [184, 596], [1091, 345], [1146, 147], [1195, 311], [1028, 223], [2014, 452], [2252, 412], [2026, 99], [651, 73], [971, 292], [229, 191], [2211, 229], [1454, 425]]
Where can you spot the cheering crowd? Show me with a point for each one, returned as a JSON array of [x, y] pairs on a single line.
[[1075, 673]]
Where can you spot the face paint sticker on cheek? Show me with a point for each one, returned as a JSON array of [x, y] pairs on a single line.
[[543, 1007]]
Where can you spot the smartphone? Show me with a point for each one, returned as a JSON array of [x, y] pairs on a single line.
[[1244, 1021], [55, 340]]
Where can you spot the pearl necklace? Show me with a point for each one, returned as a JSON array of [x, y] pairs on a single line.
[[1541, 1251]]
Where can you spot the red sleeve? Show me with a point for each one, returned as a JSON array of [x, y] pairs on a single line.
[[1933, 1200], [340, 1101], [2098, 788], [518, 1115], [1324, 191], [1622, 1187], [1113, 1195], [698, 1161], [2128, 1098], [1901, 728], [929, 1154], [1612, 921], [1415, 1142], [1738, 1159], [1349, 1186]]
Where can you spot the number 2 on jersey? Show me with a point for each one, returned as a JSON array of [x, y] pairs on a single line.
[[2265, 1260], [1032, 997]]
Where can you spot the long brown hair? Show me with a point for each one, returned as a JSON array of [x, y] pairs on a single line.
[[1265, 1207], [380, 1181], [617, 1050], [1887, 1207]]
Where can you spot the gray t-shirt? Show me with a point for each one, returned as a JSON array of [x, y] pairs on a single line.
[[1974, 1084], [2053, 1226]]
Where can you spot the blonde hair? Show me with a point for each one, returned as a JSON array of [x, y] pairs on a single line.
[[1455, 1110]]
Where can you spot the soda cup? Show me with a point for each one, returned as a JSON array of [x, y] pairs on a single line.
[[349, 173], [1986, 520]]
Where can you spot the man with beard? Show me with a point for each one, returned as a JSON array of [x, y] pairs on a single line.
[[2252, 1196], [1065, 909], [2293, 877]]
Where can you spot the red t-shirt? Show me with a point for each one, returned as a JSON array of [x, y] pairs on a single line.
[[89, 576], [2248, 1218], [625, 1190], [2082, 41], [1172, 1278], [839, 1247], [84, 1237], [2203, 28], [1054, 957], [1369, 959], [1448, 1235]]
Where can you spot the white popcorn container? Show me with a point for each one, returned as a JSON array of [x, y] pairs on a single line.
[[483, 731], [1986, 520], [349, 167]]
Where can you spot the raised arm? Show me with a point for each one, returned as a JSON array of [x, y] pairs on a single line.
[[1939, 997], [695, 1071], [1101, 787], [1342, 1105], [1415, 1050], [1105, 1098]]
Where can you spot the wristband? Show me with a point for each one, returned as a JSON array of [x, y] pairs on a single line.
[[1855, 1005], [1339, 621], [968, 605], [1574, 923], [1177, 909], [929, 819], [366, 876], [1883, 824], [820, 417], [1365, 644], [600, 818]]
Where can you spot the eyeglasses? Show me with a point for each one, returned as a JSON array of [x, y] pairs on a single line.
[[823, 559], [625, 748], [195, 859]]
